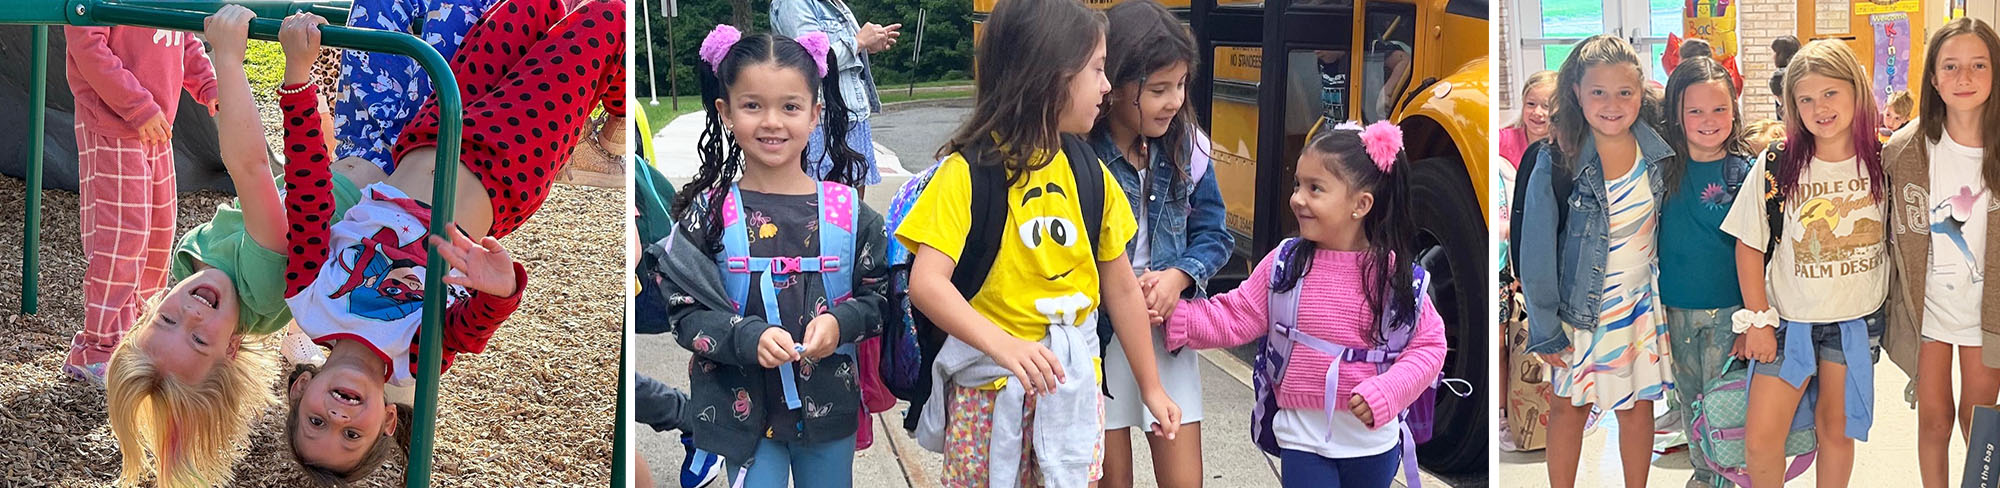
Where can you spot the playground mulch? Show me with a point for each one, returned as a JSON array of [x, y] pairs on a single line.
[[535, 409]]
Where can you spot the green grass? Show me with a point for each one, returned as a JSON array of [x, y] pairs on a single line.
[[660, 115], [265, 63]]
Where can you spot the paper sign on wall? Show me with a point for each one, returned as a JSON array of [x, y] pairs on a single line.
[[1892, 54]]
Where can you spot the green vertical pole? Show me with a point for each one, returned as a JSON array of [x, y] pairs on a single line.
[[31, 239], [430, 338]]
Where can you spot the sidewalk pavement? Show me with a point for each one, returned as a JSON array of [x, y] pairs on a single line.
[[1888, 458]]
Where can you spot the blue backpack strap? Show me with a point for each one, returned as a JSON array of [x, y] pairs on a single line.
[[735, 250]]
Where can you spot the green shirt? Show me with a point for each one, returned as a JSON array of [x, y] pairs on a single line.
[[257, 273]]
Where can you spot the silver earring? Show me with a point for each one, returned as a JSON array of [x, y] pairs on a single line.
[[1357, 215]]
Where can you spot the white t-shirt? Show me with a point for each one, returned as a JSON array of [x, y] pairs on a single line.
[[1306, 431], [371, 288], [1142, 249], [1958, 202], [1831, 263]]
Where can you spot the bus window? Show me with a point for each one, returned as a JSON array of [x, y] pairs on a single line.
[[1391, 31], [1333, 82]]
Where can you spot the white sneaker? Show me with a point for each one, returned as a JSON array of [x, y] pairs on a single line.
[[299, 349]]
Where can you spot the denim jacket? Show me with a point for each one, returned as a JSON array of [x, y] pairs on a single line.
[[1562, 270], [1186, 221], [792, 18]]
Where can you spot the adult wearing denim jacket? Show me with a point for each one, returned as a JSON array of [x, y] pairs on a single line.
[[852, 42], [1562, 270]]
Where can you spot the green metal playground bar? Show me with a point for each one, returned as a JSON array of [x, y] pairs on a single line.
[[189, 16]]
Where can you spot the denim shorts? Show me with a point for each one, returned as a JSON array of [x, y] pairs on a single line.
[[1826, 343]]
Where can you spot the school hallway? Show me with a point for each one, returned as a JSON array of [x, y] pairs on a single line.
[[1893, 437], [1229, 458]]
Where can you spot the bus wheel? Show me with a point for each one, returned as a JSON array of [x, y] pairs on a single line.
[[1450, 244]]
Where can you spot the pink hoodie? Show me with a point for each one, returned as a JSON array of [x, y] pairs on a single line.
[[1331, 307], [122, 76]]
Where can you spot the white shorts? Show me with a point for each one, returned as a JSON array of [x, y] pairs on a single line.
[[1180, 374]]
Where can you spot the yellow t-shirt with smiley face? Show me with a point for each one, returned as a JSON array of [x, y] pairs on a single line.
[[1044, 274]]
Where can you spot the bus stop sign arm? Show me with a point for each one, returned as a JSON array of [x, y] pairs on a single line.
[[179, 16]]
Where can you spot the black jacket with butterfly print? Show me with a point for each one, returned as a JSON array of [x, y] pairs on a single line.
[[727, 408]]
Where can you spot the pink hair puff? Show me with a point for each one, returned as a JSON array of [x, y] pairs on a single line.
[[717, 44]]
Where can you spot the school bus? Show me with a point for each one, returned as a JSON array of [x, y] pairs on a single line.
[[1272, 70]]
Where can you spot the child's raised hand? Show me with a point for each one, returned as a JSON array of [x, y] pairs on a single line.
[[822, 336], [228, 32], [1360, 408], [775, 347], [1037, 368], [300, 37], [485, 265], [1166, 413]]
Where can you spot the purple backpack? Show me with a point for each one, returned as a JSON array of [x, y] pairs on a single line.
[[1276, 351]]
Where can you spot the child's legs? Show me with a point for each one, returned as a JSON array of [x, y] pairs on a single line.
[[1565, 440], [825, 465], [1934, 412], [529, 81], [770, 466], [1635, 441], [1835, 463], [1768, 421], [117, 189], [1701, 344], [1117, 458], [160, 244], [1307, 470], [1177, 462], [1979, 383]]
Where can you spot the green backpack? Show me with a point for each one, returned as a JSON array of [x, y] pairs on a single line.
[[1721, 413]]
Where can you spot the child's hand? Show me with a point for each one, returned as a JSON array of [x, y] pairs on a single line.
[[1761, 344], [1360, 408], [300, 37], [1165, 412], [156, 130], [1163, 290], [1031, 362], [486, 266], [822, 336], [228, 31], [775, 348]]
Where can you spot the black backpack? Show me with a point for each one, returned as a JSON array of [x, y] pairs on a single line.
[[910, 341]]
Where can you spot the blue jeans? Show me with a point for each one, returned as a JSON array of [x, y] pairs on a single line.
[[827, 465], [1308, 470], [859, 138]]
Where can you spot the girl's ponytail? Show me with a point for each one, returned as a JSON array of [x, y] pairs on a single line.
[[849, 166], [721, 161]]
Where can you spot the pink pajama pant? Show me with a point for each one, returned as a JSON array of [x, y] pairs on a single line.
[[127, 194]]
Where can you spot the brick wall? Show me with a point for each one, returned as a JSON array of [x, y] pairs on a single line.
[[1757, 25]]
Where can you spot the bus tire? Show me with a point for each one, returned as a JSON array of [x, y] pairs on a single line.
[[1451, 243]]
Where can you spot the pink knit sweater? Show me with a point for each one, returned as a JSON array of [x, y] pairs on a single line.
[[1331, 307]]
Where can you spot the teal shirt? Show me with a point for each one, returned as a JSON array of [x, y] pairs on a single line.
[[1697, 259], [257, 273]]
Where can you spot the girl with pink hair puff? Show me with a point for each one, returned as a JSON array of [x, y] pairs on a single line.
[[1351, 257]]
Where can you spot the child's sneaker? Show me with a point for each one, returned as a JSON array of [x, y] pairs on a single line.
[[299, 349], [84, 366], [700, 467]]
